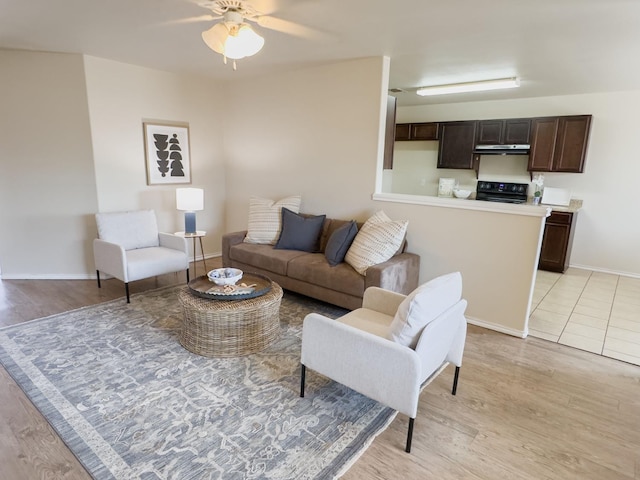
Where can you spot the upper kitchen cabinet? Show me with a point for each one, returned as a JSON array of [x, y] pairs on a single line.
[[504, 132], [559, 144], [417, 131], [457, 140]]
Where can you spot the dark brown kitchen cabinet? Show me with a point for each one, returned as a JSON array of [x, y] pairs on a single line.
[[556, 241], [457, 140], [504, 132], [559, 144], [417, 131]]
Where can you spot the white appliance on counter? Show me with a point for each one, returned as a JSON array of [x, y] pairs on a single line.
[[556, 196]]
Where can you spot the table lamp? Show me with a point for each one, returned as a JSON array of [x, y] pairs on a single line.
[[190, 200]]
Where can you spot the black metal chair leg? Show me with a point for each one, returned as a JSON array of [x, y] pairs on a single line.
[[98, 277], [409, 436], [126, 289], [302, 378], [187, 275], [455, 381]]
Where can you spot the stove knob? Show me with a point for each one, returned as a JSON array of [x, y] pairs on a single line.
[[521, 189], [514, 188]]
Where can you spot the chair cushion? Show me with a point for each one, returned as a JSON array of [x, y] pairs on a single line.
[[422, 306], [152, 261], [130, 230], [339, 242], [376, 242], [300, 232], [368, 320], [265, 218]]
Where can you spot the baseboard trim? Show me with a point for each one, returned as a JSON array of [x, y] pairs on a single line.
[[77, 276], [498, 328], [605, 270]]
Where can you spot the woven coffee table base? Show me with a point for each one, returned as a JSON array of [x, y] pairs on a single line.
[[227, 328]]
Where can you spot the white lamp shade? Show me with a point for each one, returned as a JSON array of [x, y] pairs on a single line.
[[236, 42], [215, 37], [190, 199]]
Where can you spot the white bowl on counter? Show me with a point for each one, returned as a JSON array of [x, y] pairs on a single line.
[[225, 276], [461, 193]]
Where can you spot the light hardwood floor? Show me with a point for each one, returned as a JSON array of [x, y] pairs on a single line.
[[525, 409]]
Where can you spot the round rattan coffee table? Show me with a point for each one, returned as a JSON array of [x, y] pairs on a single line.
[[227, 328]]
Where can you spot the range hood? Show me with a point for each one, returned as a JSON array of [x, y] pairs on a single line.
[[514, 149]]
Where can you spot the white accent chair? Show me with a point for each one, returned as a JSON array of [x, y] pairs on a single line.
[[392, 346], [130, 247]]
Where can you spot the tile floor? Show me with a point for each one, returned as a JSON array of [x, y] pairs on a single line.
[[592, 311]]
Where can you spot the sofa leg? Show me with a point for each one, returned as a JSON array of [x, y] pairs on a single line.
[[303, 371], [409, 436], [187, 275], [126, 289], [455, 381], [98, 277]]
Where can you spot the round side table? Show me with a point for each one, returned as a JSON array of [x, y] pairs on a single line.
[[227, 328], [199, 234]]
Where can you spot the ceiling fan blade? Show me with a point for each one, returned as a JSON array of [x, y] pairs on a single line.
[[196, 19], [285, 26]]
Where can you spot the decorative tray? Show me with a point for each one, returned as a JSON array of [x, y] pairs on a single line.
[[255, 285]]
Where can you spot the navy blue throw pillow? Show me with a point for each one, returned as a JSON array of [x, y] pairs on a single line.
[[339, 242], [300, 232]]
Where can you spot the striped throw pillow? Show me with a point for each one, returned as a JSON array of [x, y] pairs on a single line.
[[265, 218], [376, 242]]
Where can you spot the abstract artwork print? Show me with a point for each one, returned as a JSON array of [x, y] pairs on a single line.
[[167, 153]]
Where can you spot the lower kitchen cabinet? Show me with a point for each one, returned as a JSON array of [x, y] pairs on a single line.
[[556, 241]]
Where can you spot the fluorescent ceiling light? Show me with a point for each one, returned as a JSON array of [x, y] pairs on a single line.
[[469, 86]]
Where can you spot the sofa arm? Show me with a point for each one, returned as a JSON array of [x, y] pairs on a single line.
[[110, 258], [383, 301], [228, 241], [175, 242], [371, 365], [399, 274]]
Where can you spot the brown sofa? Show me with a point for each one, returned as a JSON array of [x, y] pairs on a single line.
[[310, 274]]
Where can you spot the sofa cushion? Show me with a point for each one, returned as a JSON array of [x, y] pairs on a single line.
[[265, 218], [422, 306], [339, 242], [300, 232], [376, 242], [130, 230], [313, 268], [264, 257]]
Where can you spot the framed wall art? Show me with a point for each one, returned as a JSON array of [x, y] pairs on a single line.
[[167, 152]]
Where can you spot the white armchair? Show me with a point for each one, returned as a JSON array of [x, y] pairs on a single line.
[[392, 346], [130, 247]]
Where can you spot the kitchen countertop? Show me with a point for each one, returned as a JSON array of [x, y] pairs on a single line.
[[575, 204]]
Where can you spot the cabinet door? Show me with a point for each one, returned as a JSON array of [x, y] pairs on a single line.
[[389, 132], [543, 143], [571, 143], [490, 132], [424, 131], [556, 241], [403, 131], [457, 140], [517, 131]]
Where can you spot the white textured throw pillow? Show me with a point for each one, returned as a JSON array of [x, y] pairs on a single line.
[[422, 306], [376, 242], [265, 218]]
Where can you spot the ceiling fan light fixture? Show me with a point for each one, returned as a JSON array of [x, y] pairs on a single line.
[[478, 86], [242, 42]]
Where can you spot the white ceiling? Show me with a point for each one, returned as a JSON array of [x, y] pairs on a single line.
[[556, 47]]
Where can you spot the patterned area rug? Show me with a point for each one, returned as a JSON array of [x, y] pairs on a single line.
[[131, 403]]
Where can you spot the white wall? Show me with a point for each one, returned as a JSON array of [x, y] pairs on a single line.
[[47, 184], [607, 229], [121, 97], [312, 132]]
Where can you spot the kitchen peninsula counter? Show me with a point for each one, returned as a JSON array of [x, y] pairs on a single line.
[[496, 247]]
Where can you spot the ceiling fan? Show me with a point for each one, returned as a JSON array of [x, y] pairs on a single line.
[[233, 37]]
